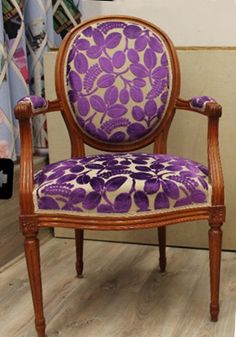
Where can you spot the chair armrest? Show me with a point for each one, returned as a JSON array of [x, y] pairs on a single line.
[[25, 109], [33, 105], [204, 105], [207, 106]]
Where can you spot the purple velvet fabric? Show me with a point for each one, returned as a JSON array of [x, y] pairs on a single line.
[[121, 183], [118, 80], [37, 102], [199, 102]]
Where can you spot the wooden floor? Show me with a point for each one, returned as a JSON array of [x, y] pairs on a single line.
[[122, 293]]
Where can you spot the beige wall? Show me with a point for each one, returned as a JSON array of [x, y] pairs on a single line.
[[204, 71], [187, 22]]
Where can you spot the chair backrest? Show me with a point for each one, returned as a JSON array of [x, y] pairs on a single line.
[[117, 78]]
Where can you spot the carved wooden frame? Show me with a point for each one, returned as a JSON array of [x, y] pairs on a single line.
[[30, 221]]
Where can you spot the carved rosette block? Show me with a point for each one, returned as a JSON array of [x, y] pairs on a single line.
[[217, 216], [29, 225]]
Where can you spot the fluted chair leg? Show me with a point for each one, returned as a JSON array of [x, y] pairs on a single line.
[[79, 242], [215, 242], [33, 264], [162, 248]]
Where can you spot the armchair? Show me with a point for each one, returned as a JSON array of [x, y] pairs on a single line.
[[117, 82]]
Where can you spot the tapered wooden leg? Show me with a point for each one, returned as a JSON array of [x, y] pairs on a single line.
[[79, 242], [162, 248], [33, 265], [215, 242]]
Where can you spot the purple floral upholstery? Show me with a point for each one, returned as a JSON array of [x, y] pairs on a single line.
[[199, 102], [120, 184], [37, 102], [118, 80]]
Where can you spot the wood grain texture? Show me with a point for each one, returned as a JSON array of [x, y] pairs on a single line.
[[122, 294]]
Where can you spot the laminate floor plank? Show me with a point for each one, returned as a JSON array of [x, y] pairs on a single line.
[[122, 293]]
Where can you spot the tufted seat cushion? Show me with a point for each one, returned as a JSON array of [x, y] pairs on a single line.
[[121, 184]]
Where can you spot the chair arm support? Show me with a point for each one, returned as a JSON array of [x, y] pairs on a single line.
[[25, 109], [207, 106], [204, 105], [214, 162], [30, 106], [26, 166]]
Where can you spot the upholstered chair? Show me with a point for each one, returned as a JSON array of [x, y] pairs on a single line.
[[117, 83]]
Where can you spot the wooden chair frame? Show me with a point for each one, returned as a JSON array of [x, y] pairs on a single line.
[[30, 222]]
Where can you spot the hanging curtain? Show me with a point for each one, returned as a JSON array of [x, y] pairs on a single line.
[[27, 31], [66, 15]]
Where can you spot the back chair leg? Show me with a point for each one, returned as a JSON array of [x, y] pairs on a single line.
[[162, 248], [79, 242], [215, 242], [33, 264]]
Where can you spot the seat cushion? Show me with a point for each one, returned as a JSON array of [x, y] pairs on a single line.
[[121, 184]]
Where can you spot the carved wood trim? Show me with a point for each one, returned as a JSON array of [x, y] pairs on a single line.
[[26, 168], [215, 244], [123, 223], [29, 225], [214, 162], [23, 110], [217, 216]]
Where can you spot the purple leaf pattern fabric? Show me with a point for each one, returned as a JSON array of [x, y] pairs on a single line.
[[37, 102], [121, 183], [199, 102], [118, 80]]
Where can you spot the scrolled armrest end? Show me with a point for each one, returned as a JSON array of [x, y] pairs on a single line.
[[28, 105], [213, 109], [207, 105], [23, 111], [200, 102], [204, 105], [37, 102]]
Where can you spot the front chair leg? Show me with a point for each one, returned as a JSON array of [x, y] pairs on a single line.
[[215, 242], [31, 245], [79, 243], [162, 248]]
